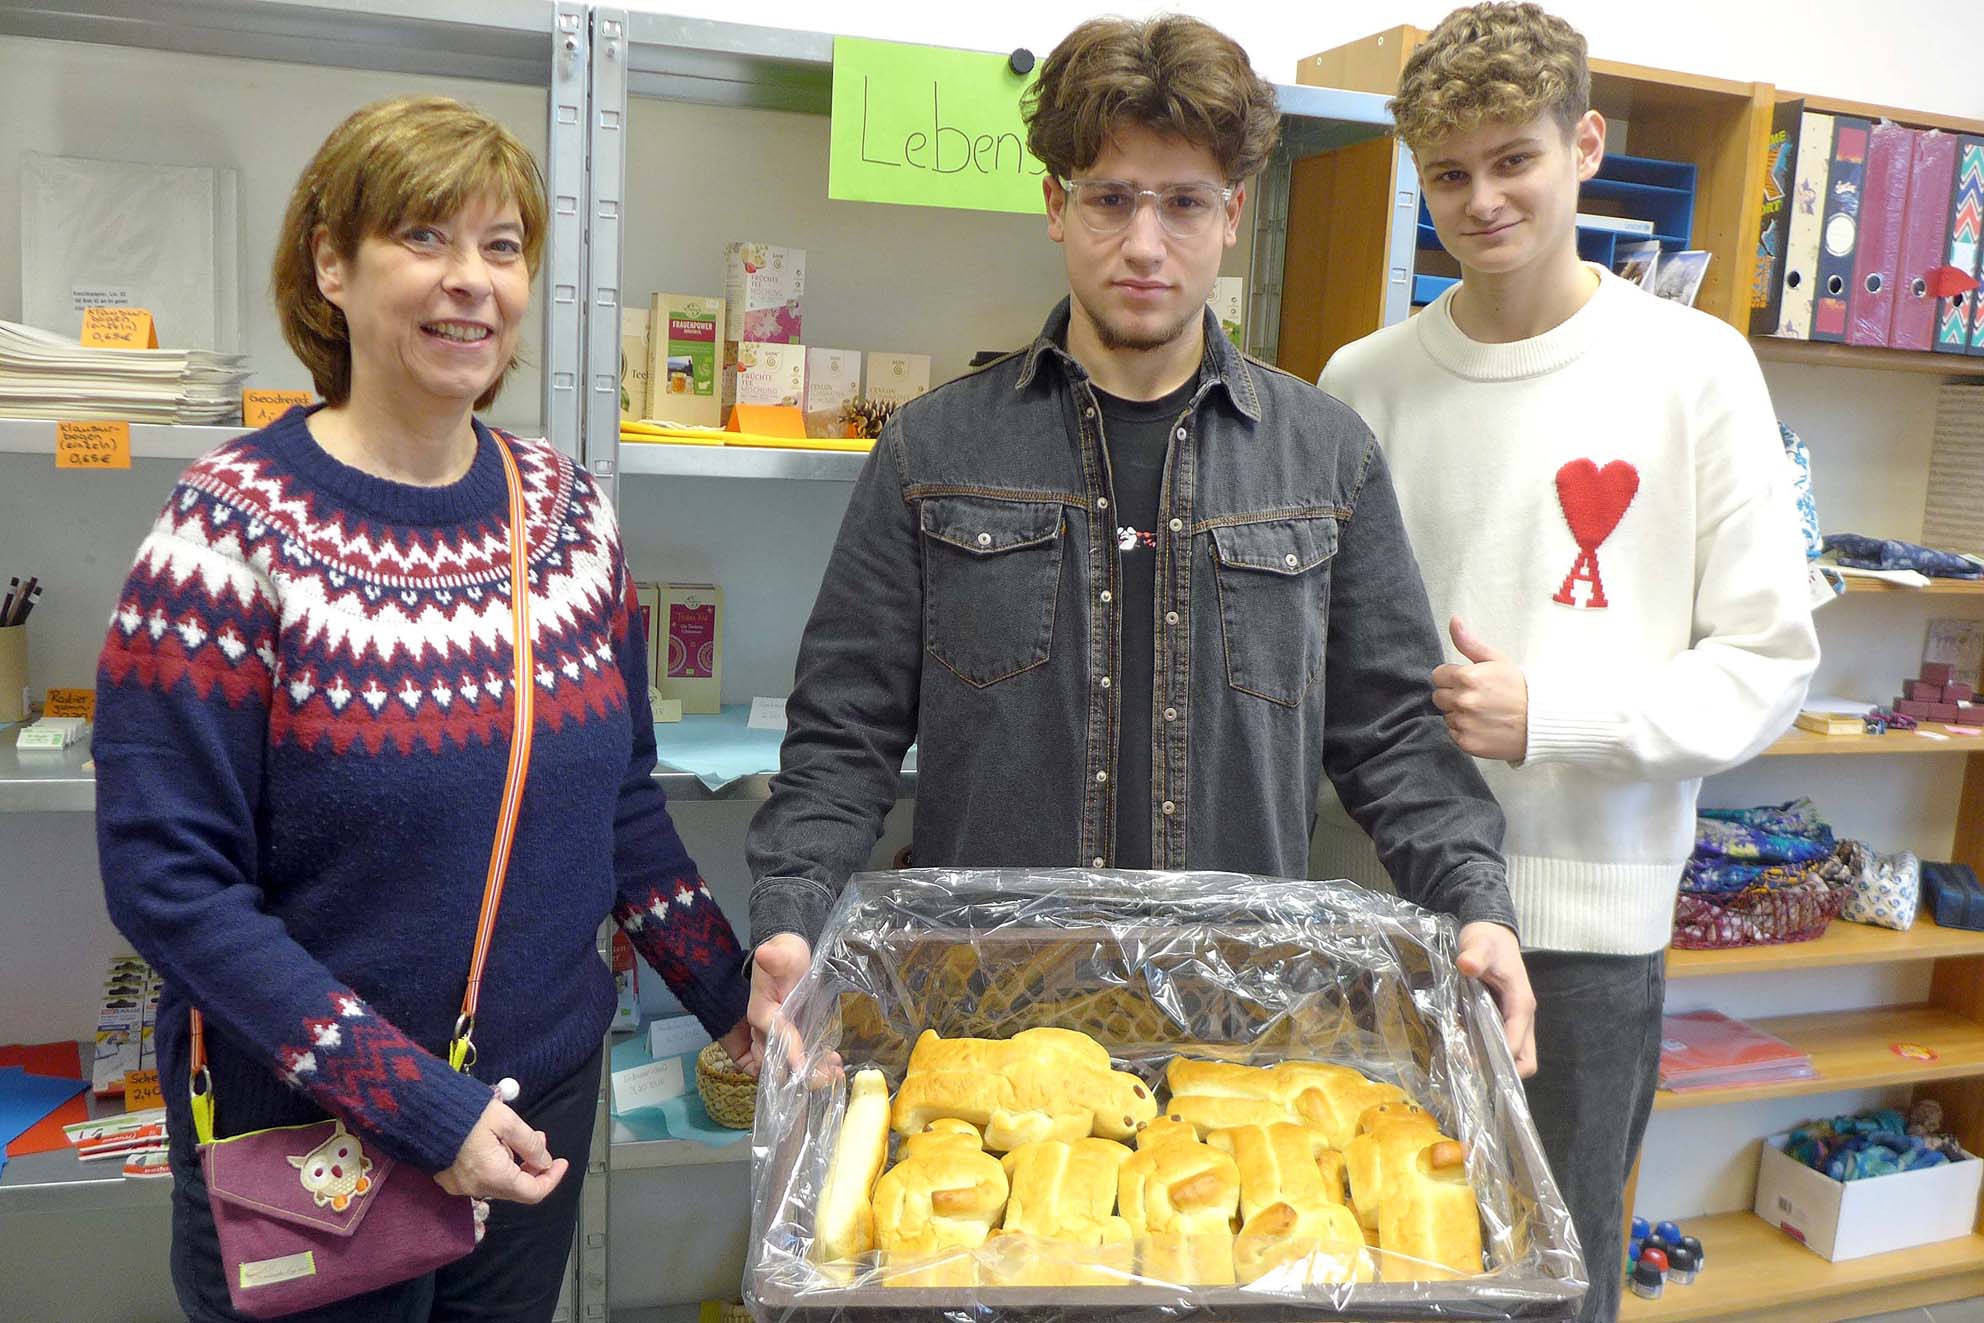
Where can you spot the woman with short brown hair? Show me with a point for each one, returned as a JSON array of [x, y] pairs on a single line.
[[306, 722]]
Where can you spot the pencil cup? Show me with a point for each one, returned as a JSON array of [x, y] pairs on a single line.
[[13, 673]]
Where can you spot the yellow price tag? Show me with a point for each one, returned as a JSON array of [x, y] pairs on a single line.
[[141, 1090], [119, 328], [92, 445]]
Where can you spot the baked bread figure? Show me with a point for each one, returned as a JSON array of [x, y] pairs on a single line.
[[1179, 1197], [1291, 1203], [1429, 1225], [1061, 1227], [845, 1224], [1039, 1085], [1391, 1136], [945, 1194], [1217, 1095]]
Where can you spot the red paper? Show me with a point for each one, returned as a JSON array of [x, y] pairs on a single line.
[[61, 1061], [1707, 1049]]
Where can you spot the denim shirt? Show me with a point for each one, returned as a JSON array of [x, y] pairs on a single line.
[[970, 606]]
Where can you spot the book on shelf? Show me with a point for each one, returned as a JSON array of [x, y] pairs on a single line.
[[1831, 723], [1710, 1050]]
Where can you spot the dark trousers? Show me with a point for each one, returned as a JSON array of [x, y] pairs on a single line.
[[513, 1276], [1598, 1057]]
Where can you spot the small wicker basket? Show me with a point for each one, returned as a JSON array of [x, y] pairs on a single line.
[[729, 1095]]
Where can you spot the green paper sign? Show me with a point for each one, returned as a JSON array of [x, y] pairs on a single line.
[[930, 127]]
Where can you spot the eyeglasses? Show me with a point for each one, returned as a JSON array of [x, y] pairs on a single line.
[[1186, 211]]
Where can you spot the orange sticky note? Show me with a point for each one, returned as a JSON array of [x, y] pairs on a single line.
[[92, 445], [70, 703], [259, 408], [119, 328], [768, 420], [141, 1090]]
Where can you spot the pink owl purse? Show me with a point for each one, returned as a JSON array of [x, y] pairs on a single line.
[[307, 1215]]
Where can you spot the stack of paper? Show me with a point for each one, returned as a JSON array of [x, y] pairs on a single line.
[[45, 376], [1709, 1050]]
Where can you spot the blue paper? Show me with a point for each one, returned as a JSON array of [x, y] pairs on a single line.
[[25, 1099], [676, 1118], [719, 749]]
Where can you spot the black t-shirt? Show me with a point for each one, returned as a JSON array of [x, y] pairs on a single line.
[[1137, 435]]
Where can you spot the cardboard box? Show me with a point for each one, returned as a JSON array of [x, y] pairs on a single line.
[[1853, 1219], [626, 984], [684, 348], [1941, 711], [1908, 707], [1229, 304], [1970, 714], [763, 287], [833, 377], [1937, 672], [898, 378], [770, 374], [692, 646], [1922, 691], [1958, 693], [634, 367], [648, 596]]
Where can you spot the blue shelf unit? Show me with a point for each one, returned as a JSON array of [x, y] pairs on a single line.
[[1638, 187]]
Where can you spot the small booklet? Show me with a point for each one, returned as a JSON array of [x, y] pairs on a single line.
[[1710, 1050]]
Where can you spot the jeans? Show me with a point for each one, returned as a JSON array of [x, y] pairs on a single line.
[[1598, 1058], [513, 1276]]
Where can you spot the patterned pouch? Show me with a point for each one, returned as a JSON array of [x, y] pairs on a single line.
[[1886, 891]]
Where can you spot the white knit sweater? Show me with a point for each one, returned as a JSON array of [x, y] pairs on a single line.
[[1607, 504]]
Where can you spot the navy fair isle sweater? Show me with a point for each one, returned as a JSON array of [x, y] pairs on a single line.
[[303, 725]]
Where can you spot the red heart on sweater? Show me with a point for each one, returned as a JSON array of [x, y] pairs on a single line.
[[1595, 499]]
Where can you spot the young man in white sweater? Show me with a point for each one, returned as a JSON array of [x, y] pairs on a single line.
[[1592, 481]]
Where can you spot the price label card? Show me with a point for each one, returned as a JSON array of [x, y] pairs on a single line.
[[119, 328], [141, 1090], [259, 408], [71, 703], [766, 714], [92, 445]]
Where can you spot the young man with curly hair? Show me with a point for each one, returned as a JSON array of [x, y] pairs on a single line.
[[1134, 595], [1592, 480]]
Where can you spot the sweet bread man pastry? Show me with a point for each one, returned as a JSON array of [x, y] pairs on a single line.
[[945, 1194], [845, 1224], [1061, 1227], [1391, 1135], [1429, 1225], [1291, 1203], [1179, 1197]]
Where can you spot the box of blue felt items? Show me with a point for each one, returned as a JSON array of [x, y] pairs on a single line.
[[1859, 1185]]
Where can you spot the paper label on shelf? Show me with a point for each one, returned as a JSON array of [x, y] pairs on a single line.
[[85, 297], [767, 714], [70, 703], [119, 328], [930, 127], [259, 408], [141, 1090], [99, 445], [648, 1085]]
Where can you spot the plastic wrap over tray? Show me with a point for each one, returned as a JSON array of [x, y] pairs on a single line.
[[1153, 966]]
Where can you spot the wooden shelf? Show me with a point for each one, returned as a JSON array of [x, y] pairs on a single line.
[[1844, 944], [1937, 587], [1756, 1272], [1854, 1050], [1820, 354], [1806, 744]]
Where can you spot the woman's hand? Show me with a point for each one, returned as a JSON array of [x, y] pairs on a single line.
[[503, 1158]]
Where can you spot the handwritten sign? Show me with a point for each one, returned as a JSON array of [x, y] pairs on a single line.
[[141, 1090], [259, 408], [92, 445], [929, 127], [119, 328], [70, 703]]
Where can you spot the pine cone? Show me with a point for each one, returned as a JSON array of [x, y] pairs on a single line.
[[865, 418]]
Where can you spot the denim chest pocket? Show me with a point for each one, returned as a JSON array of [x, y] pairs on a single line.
[[992, 575], [1273, 579]]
